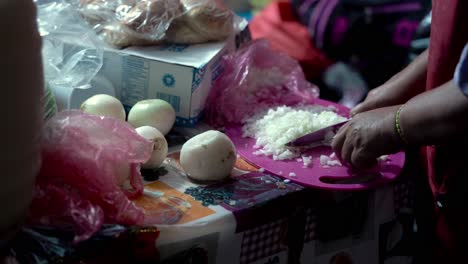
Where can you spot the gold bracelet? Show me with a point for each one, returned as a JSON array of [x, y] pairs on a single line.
[[398, 126]]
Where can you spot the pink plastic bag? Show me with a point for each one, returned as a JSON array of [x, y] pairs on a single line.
[[90, 170], [56, 205], [255, 78]]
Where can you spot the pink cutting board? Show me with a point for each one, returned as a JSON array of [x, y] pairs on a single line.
[[332, 178]]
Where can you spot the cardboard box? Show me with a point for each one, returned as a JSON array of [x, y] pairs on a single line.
[[179, 74]]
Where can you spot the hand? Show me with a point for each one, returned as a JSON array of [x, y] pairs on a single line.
[[376, 98], [399, 89], [393, 92], [366, 137]]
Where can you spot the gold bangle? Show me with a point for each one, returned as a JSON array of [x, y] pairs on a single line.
[[398, 126]]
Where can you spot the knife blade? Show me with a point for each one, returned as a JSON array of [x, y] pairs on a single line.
[[320, 137]]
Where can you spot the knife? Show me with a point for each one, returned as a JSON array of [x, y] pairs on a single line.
[[321, 137]]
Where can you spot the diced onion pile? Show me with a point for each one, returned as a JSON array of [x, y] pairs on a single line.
[[329, 161], [284, 124]]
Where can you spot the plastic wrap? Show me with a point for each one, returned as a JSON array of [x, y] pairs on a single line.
[[256, 78], [111, 244], [347, 81], [123, 23], [90, 170], [56, 205], [74, 65]]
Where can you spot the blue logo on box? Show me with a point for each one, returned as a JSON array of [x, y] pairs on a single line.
[[198, 75], [169, 80], [175, 47], [189, 122]]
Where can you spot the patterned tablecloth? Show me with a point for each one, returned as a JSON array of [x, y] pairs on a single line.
[[252, 218], [260, 218]]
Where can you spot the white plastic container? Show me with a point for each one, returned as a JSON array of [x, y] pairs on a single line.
[[72, 98]]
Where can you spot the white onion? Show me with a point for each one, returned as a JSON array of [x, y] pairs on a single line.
[[104, 105], [154, 112], [209, 156], [159, 146]]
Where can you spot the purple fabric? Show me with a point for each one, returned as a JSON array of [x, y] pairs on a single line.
[[461, 72], [315, 17], [324, 22], [339, 30], [395, 8], [404, 32], [305, 6]]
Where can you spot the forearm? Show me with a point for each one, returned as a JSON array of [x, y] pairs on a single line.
[[411, 80], [436, 117], [399, 89]]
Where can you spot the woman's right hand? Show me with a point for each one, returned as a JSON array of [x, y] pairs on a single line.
[[399, 89]]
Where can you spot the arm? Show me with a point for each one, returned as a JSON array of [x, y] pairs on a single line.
[[22, 84], [439, 116], [434, 117], [399, 89]]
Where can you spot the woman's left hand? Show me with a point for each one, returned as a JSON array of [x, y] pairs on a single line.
[[367, 136]]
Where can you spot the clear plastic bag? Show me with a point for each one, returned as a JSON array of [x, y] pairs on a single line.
[[90, 169], [347, 81], [77, 64], [123, 23], [111, 244], [256, 78]]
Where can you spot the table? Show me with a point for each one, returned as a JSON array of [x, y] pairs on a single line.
[[252, 218], [260, 218]]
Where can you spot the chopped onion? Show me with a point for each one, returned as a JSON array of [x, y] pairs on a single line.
[[324, 159], [329, 161], [332, 163], [272, 130], [383, 158], [307, 160]]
